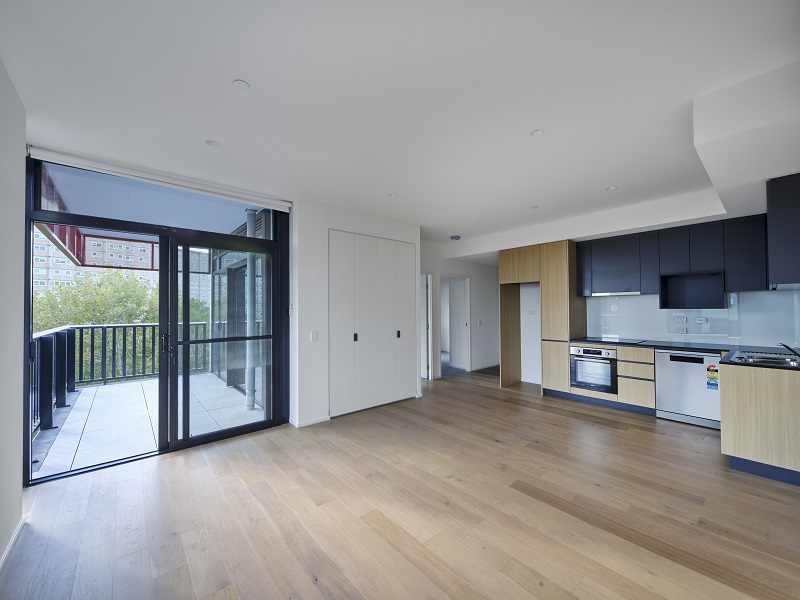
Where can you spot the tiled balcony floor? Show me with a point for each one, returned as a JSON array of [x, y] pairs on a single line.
[[119, 420]]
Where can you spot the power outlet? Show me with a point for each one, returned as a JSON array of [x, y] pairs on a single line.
[[680, 320], [680, 330]]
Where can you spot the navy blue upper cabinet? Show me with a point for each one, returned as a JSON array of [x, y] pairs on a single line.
[[783, 224], [746, 254], [615, 265], [706, 252], [583, 268], [673, 247], [649, 269]]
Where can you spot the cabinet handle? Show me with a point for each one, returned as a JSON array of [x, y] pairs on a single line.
[[398, 333], [355, 337]]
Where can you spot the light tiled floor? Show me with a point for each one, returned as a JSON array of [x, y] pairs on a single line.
[[120, 420]]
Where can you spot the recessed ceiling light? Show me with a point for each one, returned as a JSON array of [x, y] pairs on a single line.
[[534, 207], [393, 195], [480, 220], [213, 143], [537, 132], [241, 84], [455, 238], [611, 188]]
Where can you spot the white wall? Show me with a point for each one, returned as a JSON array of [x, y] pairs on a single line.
[[444, 310], [423, 326], [12, 243], [310, 222], [484, 305], [459, 322], [531, 332]]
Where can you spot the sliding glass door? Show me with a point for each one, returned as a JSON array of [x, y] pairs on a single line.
[[147, 337], [222, 326]]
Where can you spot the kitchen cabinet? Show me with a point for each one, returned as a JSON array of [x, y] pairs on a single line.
[[615, 264], [555, 366], [508, 266], [636, 376], [649, 265], [372, 324], [706, 247], [510, 335], [519, 265], [761, 415], [783, 217], [583, 268], [563, 312], [745, 246], [673, 250]]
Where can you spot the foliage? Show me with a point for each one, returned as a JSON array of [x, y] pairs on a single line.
[[114, 299]]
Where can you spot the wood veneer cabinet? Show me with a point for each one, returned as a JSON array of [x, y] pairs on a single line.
[[636, 375], [761, 415], [508, 266], [528, 264], [563, 312], [555, 366], [519, 265]]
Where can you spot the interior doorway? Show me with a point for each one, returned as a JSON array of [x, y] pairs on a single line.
[[425, 326], [454, 334]]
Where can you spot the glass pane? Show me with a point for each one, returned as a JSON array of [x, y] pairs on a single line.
[[77, 191], [230, 384], [94, 312], [222, 300]]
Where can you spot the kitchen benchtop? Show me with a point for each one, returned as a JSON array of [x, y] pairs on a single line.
[[729, 349]]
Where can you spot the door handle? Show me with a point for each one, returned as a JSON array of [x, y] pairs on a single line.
[[165, 343], [355, 337], [398, 333]]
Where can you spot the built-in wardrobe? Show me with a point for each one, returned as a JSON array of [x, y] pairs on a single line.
[[372, 321]]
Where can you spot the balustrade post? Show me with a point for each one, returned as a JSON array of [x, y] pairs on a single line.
[[44, 378], [60, 368], [70, 360]]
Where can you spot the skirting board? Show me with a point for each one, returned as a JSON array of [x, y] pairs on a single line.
[[312, 422], [11, 542], [764, 470], [642, 410], [481, 367]]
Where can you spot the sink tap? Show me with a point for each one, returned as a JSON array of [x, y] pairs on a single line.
[[789, 348]]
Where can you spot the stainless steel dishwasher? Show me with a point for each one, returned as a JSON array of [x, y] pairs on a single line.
[[687, 387]]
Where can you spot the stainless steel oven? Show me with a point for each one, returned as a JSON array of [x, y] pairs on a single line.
[[593, 369]]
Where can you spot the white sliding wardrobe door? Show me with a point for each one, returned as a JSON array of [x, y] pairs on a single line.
[[406, 320], [366, 321], [387, 321], [341, 314]]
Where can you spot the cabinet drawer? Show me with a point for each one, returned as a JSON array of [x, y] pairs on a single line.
[[638, 370], [637, 392], [645, 355]]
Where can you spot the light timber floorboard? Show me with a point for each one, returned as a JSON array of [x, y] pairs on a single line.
[[471, 491]]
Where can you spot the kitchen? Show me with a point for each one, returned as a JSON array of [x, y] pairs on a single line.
[[697, 323]]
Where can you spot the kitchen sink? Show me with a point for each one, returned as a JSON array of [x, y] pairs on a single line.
[[767, 359]]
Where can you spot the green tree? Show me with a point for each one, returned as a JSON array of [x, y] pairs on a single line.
[[113, 300]]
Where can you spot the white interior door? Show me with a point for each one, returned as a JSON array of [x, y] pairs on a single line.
[[341, 318], [366, 321], [407, 374], [387, 321]]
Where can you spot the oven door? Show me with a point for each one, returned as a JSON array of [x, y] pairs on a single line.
[[598, 374]]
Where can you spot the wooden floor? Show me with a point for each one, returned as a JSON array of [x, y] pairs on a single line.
[[469, 492]]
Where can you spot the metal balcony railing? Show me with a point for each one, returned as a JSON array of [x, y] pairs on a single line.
[[71, 356]]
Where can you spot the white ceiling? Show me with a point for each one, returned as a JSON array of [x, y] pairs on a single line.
[[433, 101]]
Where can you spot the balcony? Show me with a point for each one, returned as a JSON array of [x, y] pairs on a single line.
[[95, 394]]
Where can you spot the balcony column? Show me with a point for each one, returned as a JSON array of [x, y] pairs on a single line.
[[250, 318]]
